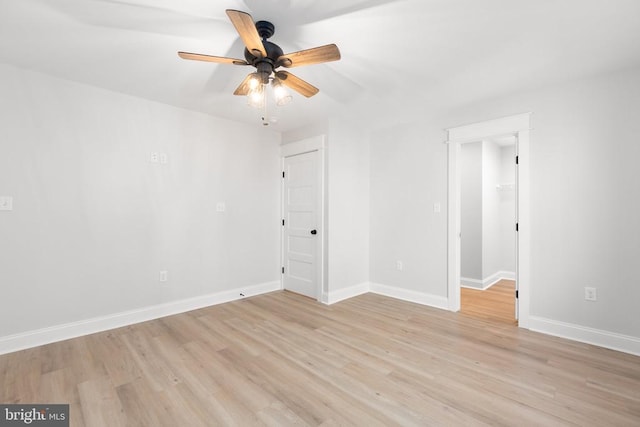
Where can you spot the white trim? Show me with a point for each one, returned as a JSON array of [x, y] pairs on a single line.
[[346, 293], [453, 227], [303, 146], [523, 260], [488, 282], [67, 331], [307, 145], [610, 340], [489, 128], [496, 136], [519, 126], [466, 282], [411, 296]]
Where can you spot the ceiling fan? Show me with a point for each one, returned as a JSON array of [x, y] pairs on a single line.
[[267, 58]]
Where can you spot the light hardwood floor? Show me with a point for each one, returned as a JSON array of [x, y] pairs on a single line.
[[496, 303], [282, 359]]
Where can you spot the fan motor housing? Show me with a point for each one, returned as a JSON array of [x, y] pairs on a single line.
[[265, 30], [273, 53]]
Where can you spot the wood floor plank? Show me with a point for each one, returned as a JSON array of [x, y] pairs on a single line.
[[495, 304], [282, 359], [59, 387], [142, 405], [22, 376], [158, 374], [100, 404]]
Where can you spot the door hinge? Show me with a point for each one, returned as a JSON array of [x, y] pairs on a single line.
[[517, 227], [517, 160], [283, 222], [283, 174], [517, 294], [282, 270]]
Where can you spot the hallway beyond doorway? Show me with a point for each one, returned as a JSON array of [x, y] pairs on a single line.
[[496, 303]]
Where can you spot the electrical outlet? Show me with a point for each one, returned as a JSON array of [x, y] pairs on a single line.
[[437, 208], [164, 159], [590, 294], [221, 207], [154, 157], [164, 275], [399, 265]]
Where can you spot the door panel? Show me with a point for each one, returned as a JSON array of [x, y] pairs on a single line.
[[301, 214]]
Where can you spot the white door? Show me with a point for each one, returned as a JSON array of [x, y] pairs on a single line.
[[301, 223]]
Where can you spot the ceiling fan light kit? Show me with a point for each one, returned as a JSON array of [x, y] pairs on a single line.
[[267, 57], [281, 94]]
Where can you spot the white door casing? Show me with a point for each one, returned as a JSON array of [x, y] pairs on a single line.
[[518, 126], [517, 304]]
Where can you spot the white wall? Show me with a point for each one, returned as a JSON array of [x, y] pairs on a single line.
[[348, 207], [94, 221], [471, 212], [491, 218], [408, 177], [584, 200]]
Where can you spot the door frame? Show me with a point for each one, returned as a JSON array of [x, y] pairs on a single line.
[[307, 145], [519, 126]]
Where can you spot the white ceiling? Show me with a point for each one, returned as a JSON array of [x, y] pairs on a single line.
[[434, 53]]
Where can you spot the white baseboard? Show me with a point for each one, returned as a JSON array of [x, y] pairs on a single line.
[[466, 282], [11, 343], [488, 282], [389, 291], [610, 340], [346, 293], [411, 296], [66, 331], [507, 275]]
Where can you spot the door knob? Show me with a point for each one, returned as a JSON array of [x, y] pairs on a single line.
[[314, 231]]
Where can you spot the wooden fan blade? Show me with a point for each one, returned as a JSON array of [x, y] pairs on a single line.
[[315, 55], [297, 84], [243, 89], [209, 58], [246, 28]]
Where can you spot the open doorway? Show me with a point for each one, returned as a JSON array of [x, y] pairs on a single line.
[[519, 127], [487, 225]]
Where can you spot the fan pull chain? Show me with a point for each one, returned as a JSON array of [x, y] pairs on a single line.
[[265, 116]]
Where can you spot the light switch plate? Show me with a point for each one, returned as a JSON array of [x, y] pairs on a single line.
[[6, 203], [221, 207], [164, 275]]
